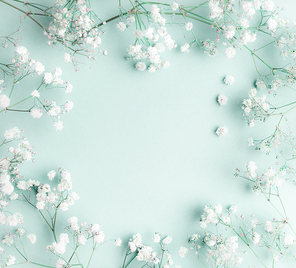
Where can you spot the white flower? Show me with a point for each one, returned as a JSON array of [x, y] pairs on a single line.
[[215, 10], [188, 26], [82, 240], [272, 23], [21, 50], [221, 131], [68, 106], [35, 94], [36, 113], [58, 125], [156, 238], [268, 226], [185, 48], [182, 252], [268, 5], [141, 66], [69, 88], [51, 174], [174, 6], [67, 57], [31, 238], [228, 80], [244, 23], [233, 209], [167, 240], [132, 246], [60, 263], [64, 238], [99, 237], [256, 239], [64, 206], [230, 52], [229, 32], [39, 67], [40, 205], [95, 228], [222, 100], [4, 101], [13, 133], [48, 77], [250, 142], [289, 240], [131, 19], [10, 260], [118, 242], [121, 26]]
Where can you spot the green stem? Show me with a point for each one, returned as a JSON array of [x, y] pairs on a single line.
[[27, 14]]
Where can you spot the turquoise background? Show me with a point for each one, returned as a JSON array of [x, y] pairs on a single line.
[[141, 147]]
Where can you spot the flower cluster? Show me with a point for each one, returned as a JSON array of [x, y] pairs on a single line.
[[10, 174], [60, 197], [151, 41], [24, 66], [256, 107], [150, 257], [74, 26]]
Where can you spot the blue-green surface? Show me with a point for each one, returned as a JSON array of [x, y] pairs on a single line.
[[141, 147]]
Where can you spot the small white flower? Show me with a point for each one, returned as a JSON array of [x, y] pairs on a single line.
[[35, 94], [182, 252], [67, 57], [31, 238], [36, 113], [4, 101], [58, 125], [51, 174], [289, 240], [156, 238], [118, 242], [121, 26], [250, 142], [141, 66], [131, 19], [185, 48], [188, 26], [48, 77], [228, 80], [174, 6], [230, 52], [221, 131], [222, 100], [167, 240]]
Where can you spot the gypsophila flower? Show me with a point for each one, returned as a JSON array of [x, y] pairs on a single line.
[[121, 26], [222, 100], [32, 238], [289, 240], [230, 52], [118, 242], [228, 80], [4, 101], [221, 131], [35, 94], [174, 6], [188, 26], [185, 48], [182, 252], [36, 113], [156, 238], [250, 142], [58, 125], [141, 66], [167, 240]]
